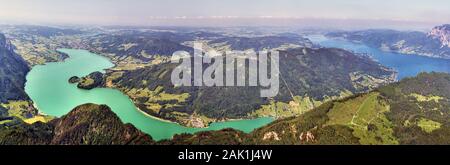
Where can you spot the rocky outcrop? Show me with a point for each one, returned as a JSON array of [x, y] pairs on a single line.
[[86, 124], [91, 81], [442, 33], [13, 70]]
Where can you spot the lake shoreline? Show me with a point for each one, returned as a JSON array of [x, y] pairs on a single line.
[[48, 86]]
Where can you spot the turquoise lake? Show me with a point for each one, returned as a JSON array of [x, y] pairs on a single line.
[[48, 87], [406, 65]]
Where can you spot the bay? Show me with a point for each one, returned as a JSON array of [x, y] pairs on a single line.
[[407, 65]]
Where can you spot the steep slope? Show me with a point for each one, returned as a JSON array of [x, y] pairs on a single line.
[[13, 70], [412, 111], [86, 124], [419, 43]]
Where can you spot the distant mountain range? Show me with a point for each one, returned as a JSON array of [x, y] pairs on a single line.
[[146, 45], [433, 44]]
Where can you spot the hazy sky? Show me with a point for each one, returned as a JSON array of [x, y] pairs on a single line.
[[217, 12]]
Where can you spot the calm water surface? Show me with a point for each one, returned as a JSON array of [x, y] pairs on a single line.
[[48, 87]]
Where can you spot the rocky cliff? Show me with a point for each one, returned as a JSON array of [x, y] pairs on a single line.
[[442, 33]]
